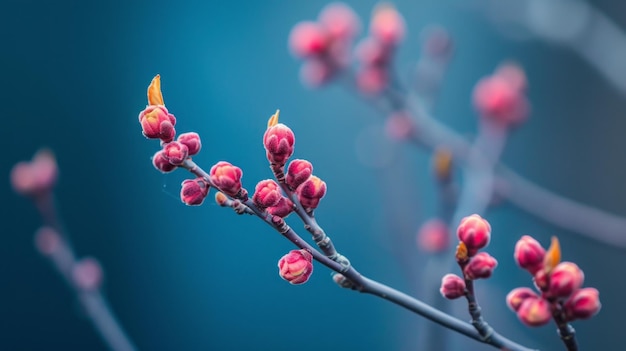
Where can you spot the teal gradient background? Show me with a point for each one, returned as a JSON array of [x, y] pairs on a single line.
[[73, 76]]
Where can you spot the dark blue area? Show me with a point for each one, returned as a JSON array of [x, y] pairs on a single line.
[[73, 76]]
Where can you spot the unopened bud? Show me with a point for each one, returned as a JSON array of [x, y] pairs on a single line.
[[534, 312], [475, 232], [529, 254], [480, 266], [226, 178], [452, 286], [296, 266], [583, 304], [565, 278], [515, 298]]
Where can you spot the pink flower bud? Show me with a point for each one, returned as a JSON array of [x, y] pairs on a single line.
[[583, 304], [311, 192], [37, 176], [266, 194], [371, 52], [514, 74], [296, 266], [387, 25], [282, 209], [315, 73], [515, 298], [371, 80], [565, 278], [193, 191], [452, 286], [161, 163], [87, 274], [498, 99], [399, 126], [433, 236], [47, 241], [534, 312], [308, 39], [474, 232], [192, 141], [226, 177], [340, 21], [278, 141], [529, 254], [298, 172], [175, 152], [157, 123], [480, 266]]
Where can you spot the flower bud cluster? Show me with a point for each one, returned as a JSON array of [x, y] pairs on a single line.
[[474, 233], [324, 44], [36, 177], [279, 141], [374, 53], [558, 284], [501, 97], [174, 153]]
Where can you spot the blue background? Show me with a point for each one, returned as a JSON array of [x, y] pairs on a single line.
[[73, 76]]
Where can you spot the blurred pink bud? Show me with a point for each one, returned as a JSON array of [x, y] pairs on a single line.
[[282, 209], [515, 298], [399, 126], [480, 266], [87, 274], [565, 278], [175, 152], [311, 192], [340, 21], [387, 24], [514, 74], [266, 194], [583, 304], [452, 286], [474, 232], [371, 80], [193, 191], [226, 177], [157, 123], [315, 73], [433, 236], [47, 241], [298, 172], [529, 254], [371, 52], [192, 141], [161, 163], [499, 100], [278, 141], [296, 266], [37, 176], [437, 43], [534, 312], [308, 39]]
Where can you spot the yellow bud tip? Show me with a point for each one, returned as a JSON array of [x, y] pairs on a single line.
[[155, 97], [443, 163], [553, 255], [461, 251], [273, 119], [220, 198]]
